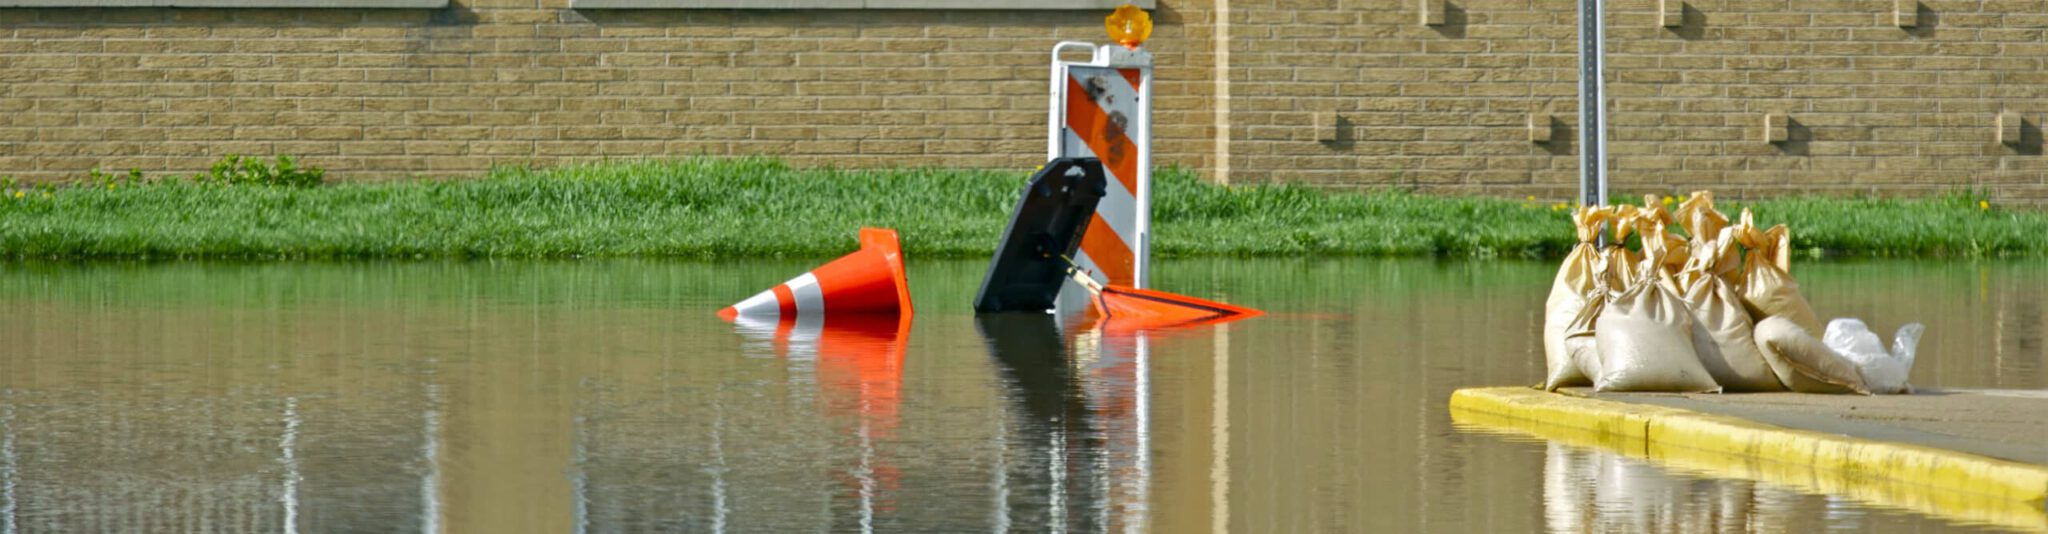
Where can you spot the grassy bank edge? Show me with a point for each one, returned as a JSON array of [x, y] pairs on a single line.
[[736, 207]]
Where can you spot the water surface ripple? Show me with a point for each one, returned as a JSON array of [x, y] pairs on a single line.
[[607, 397]]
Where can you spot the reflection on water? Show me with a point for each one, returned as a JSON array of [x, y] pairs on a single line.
[[605, 396], [1590, 489], [1057, 442], [1587, 490], [1081, 397], [857, 363]]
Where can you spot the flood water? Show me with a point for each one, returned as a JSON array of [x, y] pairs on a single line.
[[606, 396]]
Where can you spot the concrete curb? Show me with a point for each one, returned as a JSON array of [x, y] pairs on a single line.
[[1661, 427]]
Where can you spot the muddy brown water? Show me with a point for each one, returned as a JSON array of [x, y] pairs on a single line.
[[606, 396]]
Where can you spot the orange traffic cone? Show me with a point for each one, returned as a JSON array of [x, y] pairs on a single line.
[[1131, 309], [1144, 309], [869, 280]]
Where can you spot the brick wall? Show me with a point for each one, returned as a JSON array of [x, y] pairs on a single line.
[[376, 94], [1871, 106], [391, 93]]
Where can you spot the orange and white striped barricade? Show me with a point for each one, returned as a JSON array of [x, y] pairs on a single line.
[[1102, 108]]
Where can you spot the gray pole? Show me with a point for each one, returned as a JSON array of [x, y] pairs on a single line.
[[1592, 104]]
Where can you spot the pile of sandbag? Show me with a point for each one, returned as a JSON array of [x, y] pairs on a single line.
[[1694, 313]]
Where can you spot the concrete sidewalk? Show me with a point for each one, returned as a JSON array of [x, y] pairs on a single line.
[[2004, 424]]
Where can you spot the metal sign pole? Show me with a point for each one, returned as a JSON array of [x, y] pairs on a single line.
[[1592, 104]]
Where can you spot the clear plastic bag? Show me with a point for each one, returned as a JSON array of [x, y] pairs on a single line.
[[1882, 371]]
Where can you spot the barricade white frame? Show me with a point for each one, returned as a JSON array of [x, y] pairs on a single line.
[[1112, 56]]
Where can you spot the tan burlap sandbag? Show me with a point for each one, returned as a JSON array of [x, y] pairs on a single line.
[[1652, 228], [1569, 292], [1622, 261], [1645, 337], [1734, 359], [1802, 362], [1581, 344], [1654, 212], [1768, 289], [1704, 224], [1651, 222], [1696, 214]]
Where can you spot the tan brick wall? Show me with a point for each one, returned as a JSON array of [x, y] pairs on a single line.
[[1873, 107], [392, 93]]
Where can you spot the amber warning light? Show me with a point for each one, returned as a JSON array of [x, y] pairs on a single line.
[[1129, 26]]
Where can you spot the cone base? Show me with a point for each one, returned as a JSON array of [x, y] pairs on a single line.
[[885, 242]]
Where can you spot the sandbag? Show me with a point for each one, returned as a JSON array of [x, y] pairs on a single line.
[[1623, 274], [1622, 263], [1718, 257], [1735, 362], [1704, 224], [1645, 337], [1654, 212], [1652, 221], [1568, 295], [1883, 371], [1802, 362], [1703, 346], [1580, 344], [1696, 214], [1768, 289], [1583, 348]]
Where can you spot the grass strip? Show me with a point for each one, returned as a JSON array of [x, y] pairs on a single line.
[[762, 207]]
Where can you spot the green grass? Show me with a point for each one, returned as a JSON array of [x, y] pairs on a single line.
[[758, 207]]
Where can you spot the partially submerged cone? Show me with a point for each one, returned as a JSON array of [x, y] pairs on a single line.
[[1146, 309], [869, 280], [1129, 308]]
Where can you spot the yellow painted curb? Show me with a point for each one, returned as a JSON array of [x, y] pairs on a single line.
[[1965, 507], [1663, 431]]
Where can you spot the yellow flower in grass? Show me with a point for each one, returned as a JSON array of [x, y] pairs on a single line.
[[1983, 205], [19, 194], [1668, 200]]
